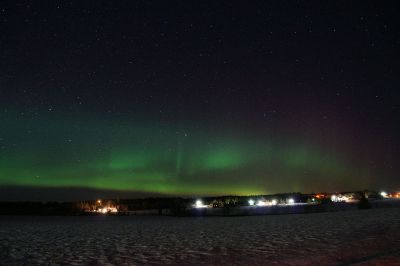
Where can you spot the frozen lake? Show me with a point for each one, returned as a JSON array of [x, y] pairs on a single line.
[[367, 237]]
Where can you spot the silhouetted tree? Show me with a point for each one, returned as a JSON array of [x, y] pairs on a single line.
[[364, 202]]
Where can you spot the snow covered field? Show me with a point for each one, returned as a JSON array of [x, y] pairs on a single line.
[[361, 237]]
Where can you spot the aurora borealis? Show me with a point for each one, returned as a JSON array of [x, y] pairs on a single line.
[[196, 100], [161, 159]]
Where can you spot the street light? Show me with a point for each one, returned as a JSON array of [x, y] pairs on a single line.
[[199, 204]]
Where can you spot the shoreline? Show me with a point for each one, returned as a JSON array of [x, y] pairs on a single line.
[[298, 208]]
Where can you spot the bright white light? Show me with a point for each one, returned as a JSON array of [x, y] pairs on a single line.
[[104, 210], [260, 203], [274, 202], [199, 204], [251, 202], [334, 198], [290, 201], [384, 194], [313, 199]]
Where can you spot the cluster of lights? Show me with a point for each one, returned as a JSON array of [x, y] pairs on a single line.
[[335, 198], [106, 209], [340, 198], [261, 203], [390, 195], [267, 203]]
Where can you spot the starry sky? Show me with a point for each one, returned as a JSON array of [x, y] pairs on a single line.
[[133, 98]]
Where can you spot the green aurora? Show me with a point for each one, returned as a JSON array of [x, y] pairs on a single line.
[[132, 156]]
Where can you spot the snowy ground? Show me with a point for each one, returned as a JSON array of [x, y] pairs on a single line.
[[365, 237]]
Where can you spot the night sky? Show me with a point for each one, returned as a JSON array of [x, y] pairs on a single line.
[[115, 98]]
